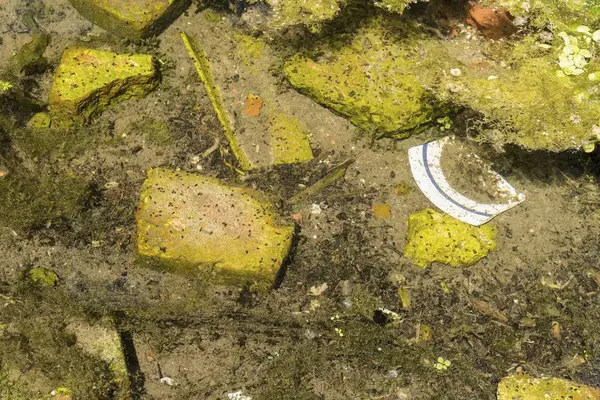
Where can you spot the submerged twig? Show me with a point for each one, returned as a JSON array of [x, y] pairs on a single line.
[[332, 176]]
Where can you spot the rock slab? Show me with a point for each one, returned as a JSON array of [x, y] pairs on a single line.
[[196, 224], [132, 19]]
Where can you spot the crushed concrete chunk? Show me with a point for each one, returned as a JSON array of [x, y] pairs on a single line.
[[433, 236], [526, 387], [133, 19], [195, 224], [87, 81]]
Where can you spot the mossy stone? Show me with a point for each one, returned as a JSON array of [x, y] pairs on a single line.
[[370, 81], [433, 236], [523, 386], [289, 140], [43, 277], [133, 19], [87, 81], [195, 224]]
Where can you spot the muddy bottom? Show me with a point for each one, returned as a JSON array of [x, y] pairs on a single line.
[[337, 327]]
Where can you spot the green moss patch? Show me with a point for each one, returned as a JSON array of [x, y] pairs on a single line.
[[530, 388], [195, 224], [43, 277], [87, 81], [370, 81], [433, 236], [133, 19]]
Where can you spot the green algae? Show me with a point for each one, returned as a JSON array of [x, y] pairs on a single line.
[[135, 19], [88, 81], [195, 224], [30, 58], [289, 140], [436, 237], [43, 277], [527, 387], [33, 201], [203, 68], [556, 14], [370, 81]]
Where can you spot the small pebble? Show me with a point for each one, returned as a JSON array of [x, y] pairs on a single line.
[[455, 72]]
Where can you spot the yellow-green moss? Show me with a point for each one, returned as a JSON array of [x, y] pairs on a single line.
[[87, 81], [530, 388], [133, 19], [370, 81], [289, 140], [30, 57], [433, 236], [195, 224], [310, 13], [557, 14], [43, 276]]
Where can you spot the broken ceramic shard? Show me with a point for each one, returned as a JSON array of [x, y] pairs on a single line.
[[490, 194], [195, 224], [133, 19], [87, 81], [436, 237]]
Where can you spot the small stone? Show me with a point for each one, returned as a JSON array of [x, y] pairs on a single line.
[[455, 72], [194, 224], [433, 236], [382, 211], [523, 386], [494, 23], [133, 19], [253, 105], [87, 81]]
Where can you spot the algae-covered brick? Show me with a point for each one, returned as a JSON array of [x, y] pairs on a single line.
[[196, 224], [523, 386], [87, 81], [289, 140], [433, 236], [133, 19], [370, 81]]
